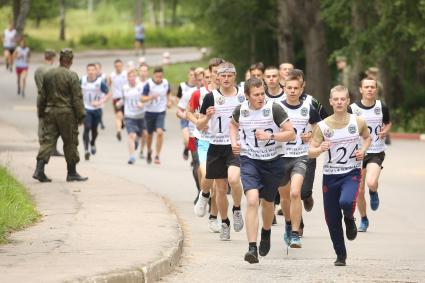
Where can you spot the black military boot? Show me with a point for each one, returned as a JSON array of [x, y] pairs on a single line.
[[73, 175], [39, 172]]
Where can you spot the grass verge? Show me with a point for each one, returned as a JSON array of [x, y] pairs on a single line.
[[17, 210]]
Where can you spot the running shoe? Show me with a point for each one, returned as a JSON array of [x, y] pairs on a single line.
[[214, 225], [364, 224], [308, 203], [340, 260], [141, 155], [350, 228], [287, 235], [225, 232], [201, 205], [93, 149], [149, 158], [87, 155], [132, 160], [264, 245], [374, 200], [186, 154], [252, 255], [156, 161], [295, 242], [119, 136], [237, 220]]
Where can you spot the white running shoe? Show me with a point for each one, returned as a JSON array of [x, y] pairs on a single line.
[[201, 205], [214, 225], [225, 232], [237, 221]]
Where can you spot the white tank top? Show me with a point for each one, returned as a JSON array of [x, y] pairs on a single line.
[[252, 120], [300, 120], [159, 104], [187, 92], [201, 135], [91, 92], [117, 83], [22, 57], [373, 118], [132, 100], [219, 122], [9, 38], [340, 158]]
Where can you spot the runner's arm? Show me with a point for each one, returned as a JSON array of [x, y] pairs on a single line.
[[317, 144]]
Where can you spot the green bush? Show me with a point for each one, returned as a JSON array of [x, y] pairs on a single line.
[[94, 40], [408, 121]]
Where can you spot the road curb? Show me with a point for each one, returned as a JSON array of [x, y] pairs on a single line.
[[408, 136], [154, 270]]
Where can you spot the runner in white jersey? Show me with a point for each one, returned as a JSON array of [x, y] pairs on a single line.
[[143, 79], [156, 98], [284, 70], [134, 112], [207, 189], [22, 57], [274, 91], [303, 117], [184, 93], [263, 126], [9, 45], [340, 136], [95, 94], [222, 165], [116, 80], [104, 77], [377, 117], [139, 37]]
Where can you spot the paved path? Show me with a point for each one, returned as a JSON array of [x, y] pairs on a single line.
[[393, 250]]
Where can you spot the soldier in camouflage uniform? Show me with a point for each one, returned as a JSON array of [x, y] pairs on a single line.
[[49, 59], [60, 105]]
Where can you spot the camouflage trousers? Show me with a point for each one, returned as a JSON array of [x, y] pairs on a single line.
[[58, 122]]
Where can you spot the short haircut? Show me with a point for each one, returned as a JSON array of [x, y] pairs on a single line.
[[257, 66], [117, 61], [292, 78], [98, 64], [49, 54], [144, 65], [158, 70], [339, 88], [296, 73], [91, 65], [192, 69], [214, 62], [131, 71], [271, 68], [368, 79], [286, 63], [252, 82], [199, 71]]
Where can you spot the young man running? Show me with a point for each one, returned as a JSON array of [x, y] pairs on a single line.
[[104, 77], [257, 70], [377, 117], [222, 164], [22, 57], [303, 116], [143, 79], [156, 96], [202, 145], [9, 45], [95, 94], [116, 81], [274, 90], [184, 93], [134, 112], [263, 127], [284, 70], [340, 136]]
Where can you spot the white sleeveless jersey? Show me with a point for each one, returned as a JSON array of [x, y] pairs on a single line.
[[277, 99], [117, 83], [9, 38], [219, 122], [187, 92], [300, 120], [22, 57], [132, 101], [341, 158], [159, 104], [91, 92], [200, 135], [252, 120], [373, 118]]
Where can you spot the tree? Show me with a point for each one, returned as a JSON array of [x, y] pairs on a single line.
[[20, 13], [43, 9], [62, 20]]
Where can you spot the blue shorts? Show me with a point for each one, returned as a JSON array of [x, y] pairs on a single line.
[[202, 147], [92, 118], [135, 126], [184, 123], [155, 120], [262, 175]]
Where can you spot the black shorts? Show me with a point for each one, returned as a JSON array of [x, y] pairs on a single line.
[[141, 40], [10, 49], [116, 108], [377, 158], [307, 187], [219, 158]]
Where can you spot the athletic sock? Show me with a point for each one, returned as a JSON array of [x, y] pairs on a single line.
[[364, 218], [252, 244], [206, 195], [213, 216], [372, 193], [236, 208], [295, 232], [227, 221], [288, 222], [265, 234]]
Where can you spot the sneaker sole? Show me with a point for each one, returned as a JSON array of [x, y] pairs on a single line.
[[224, 240], [250, 258], [339, 264], [237, 230]]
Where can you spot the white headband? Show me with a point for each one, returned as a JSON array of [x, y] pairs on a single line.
[[226, 70]]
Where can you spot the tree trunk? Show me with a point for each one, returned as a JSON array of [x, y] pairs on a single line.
[[62, 20], [174, 16], [24, 8], [138, 15], [37, 22], [89, 7], [16, 8], [152, 16], [161, 13], [252, 47], [284, 33]]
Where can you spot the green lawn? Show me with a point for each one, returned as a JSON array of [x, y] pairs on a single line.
[[177, 73], [17, 210]]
